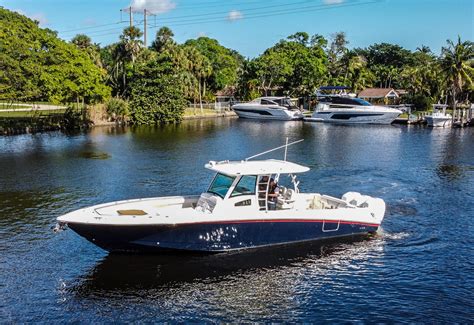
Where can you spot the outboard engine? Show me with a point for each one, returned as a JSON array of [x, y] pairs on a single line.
[[377, 206]]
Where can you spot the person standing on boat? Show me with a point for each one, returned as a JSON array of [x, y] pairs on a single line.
[[273, 192]]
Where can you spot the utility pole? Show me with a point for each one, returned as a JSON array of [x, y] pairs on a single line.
[[131, 17], [144, 27]]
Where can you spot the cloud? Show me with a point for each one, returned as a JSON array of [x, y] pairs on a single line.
[[333, 2], [38, 16], [234, 15], [153, 6], [202, 34], [88, 22]]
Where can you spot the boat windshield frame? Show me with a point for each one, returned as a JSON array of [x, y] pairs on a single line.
[[221, 193]]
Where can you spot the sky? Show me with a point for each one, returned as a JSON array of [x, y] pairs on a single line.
[[251, 26]]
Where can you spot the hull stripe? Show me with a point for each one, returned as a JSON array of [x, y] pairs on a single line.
[[220, 222]]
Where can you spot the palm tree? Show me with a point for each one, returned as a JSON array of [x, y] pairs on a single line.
[[131, 44], [201, 68], [457, 64], [163, 39]]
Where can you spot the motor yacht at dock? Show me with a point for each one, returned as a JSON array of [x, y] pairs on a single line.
[[236, 212], [269, 108], [345, 108]]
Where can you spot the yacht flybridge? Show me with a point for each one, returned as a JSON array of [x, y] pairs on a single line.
[[233, 214], [269, 108]]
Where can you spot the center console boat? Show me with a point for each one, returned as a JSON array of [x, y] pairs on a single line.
[[234, 213]]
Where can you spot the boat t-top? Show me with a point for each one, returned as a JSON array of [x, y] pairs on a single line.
[[237, 211], [344, 108], [439, 118], [269, 108]]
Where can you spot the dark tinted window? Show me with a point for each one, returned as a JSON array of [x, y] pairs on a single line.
[[266, 102], [245, 186], [221, 185], [345, 101]]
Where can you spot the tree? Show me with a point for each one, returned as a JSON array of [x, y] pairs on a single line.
[[84, 43], [300, 37], [36, 65], [156, 95], [130, 44], [337, 50], [224, 62], [163, 40], [386, 61], [457, 65]]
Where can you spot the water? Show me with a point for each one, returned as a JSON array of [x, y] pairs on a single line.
[[420, 267]]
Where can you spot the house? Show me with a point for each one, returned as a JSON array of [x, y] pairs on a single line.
[[380, 95]]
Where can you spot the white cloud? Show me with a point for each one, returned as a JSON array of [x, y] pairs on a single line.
[[333, 2], [153, 6], [39, 16], [88, 22], [234, 15], [202, 34]]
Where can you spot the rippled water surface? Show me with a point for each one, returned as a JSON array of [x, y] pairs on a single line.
[[419, 268]]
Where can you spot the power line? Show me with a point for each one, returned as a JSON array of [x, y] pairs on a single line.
[[91, 27], [271, 13], [312, 8]]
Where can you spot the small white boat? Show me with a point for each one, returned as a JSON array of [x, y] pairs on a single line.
[[348, 110], [439, 118], [234, 213], [268, 108]]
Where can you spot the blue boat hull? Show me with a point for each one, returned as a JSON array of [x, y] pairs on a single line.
[[216, 237]]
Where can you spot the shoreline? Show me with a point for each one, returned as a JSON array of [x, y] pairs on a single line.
[[29, 129]]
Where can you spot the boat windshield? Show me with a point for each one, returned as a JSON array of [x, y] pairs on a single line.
[[221, 184], [362, 102], [341, 100]]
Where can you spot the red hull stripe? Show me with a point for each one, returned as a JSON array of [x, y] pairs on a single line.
[[221, 222]]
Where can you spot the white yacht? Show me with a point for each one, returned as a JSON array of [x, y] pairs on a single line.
[[439, 118], [349, 110], [269, 108], [234, 213]]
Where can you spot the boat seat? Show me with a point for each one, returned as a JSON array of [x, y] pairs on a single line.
[[286, 200]]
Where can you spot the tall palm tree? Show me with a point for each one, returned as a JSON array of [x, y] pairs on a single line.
[[131, 43], [457, 62], [163, 39], [201, 68]]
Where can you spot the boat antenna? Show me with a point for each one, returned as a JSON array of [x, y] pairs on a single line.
[[274, 149]]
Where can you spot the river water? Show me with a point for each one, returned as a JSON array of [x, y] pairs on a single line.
[[419, 268]]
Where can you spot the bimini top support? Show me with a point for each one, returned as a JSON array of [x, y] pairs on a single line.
[[274, 149]]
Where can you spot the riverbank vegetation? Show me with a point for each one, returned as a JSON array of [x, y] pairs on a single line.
[[155, 84]]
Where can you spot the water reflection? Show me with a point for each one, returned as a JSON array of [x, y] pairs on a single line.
[[265, 282], [124, 272]]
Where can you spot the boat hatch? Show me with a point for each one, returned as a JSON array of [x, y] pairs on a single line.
[[131, 212]]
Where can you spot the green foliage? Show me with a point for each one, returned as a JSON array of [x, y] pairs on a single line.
[[294, 65], [421, 102], [156, 95], [457, 63], [36, 65], [117, 108], [224, 62], [163, 40]]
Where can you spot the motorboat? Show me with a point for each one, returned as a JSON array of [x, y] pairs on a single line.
[[439, 118], [350, 110], [234, 213], [269, 108]]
